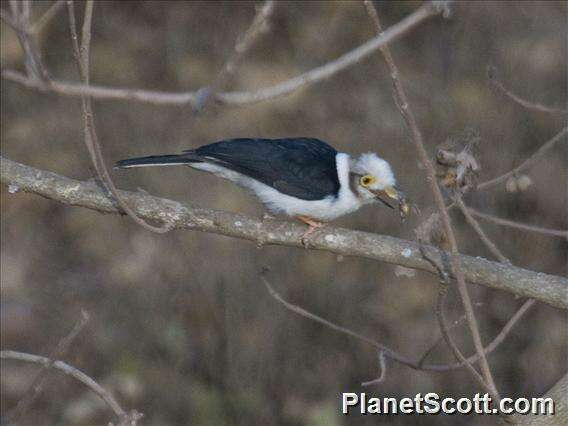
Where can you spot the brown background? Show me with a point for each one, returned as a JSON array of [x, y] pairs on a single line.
[[182, 328]]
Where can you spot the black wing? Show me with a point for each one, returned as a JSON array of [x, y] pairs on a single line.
[[301, 167]]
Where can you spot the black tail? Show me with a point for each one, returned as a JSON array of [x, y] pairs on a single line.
[[155, 160]]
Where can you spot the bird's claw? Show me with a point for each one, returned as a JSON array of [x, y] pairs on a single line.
[[313, 226], [304, 238]]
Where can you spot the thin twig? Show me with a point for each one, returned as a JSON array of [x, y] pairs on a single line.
[[416, 136], [563, 233], [286, 87], [497, 340], [479, 230], [444, 283], [47, 16], [538, 154], [382, 371], [36, 386], [523, 102], [440, 339], [124, 417], [20, 22], [82, 58], [242, 46], [385, 350], [301, 311], [511, 323]]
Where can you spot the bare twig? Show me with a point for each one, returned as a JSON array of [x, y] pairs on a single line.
[[549, 289], [243, 44], [386, 351], [124, 417], [539, 153], [523, 102], [416, 136], [444, 282], [19, 20], [511, 323], [47, 16], [479, 231], [440, 339], [497, 340], [513, 224], [82, 57], [301, 311], [237, 98], [37, 384], [382, 371]]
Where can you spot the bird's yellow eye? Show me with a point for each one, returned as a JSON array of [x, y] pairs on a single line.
[[367, 180]]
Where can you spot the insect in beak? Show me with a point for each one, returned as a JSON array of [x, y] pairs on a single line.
[[392, 193]]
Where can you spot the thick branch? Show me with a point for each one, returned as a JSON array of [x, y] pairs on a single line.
[[543, 287], [236, 98]]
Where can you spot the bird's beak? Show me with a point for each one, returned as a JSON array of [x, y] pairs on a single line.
[[392, 193]]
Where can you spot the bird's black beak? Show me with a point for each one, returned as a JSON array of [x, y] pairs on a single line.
[[392, 193]]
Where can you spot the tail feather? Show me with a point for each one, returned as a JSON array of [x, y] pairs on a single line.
[[155, 160]]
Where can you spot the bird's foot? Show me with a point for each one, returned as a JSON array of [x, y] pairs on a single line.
[[314, 225]]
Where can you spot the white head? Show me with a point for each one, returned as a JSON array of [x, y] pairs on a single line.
[[372, 179]]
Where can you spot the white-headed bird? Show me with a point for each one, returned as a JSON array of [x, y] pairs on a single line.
[[300, 177]]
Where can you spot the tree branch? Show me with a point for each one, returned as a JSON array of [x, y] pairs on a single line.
[[523, 102], [519, 225], [37, 384], [236, 98], [244, 43], [124, 417], [456, 265], [538, 154], [549, 289]]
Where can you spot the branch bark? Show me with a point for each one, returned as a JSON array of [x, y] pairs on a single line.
[[549, 289]]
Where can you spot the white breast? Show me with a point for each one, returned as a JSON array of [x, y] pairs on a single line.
[[327, 209]]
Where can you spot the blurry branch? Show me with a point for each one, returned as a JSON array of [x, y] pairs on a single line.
[[244, 43], [479, 231], [37, 384], [539, 153], [387, 352], [491, 71], [238, 98], [47, 16], [549, 289], [535, 157], [456, 266], [512, 224], [82, 58], [382, 371], [497, 340], [443, 285], [559, 394], [124, 417], [19, 20], [497, 253]]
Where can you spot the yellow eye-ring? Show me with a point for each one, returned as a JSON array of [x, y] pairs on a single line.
[[367, 180]]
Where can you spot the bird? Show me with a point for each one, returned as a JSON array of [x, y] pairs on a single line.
[[299, 177]]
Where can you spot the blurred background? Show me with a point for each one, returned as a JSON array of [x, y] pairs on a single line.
[[182, 329]]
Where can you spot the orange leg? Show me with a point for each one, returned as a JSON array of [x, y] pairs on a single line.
[[313, 226]]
